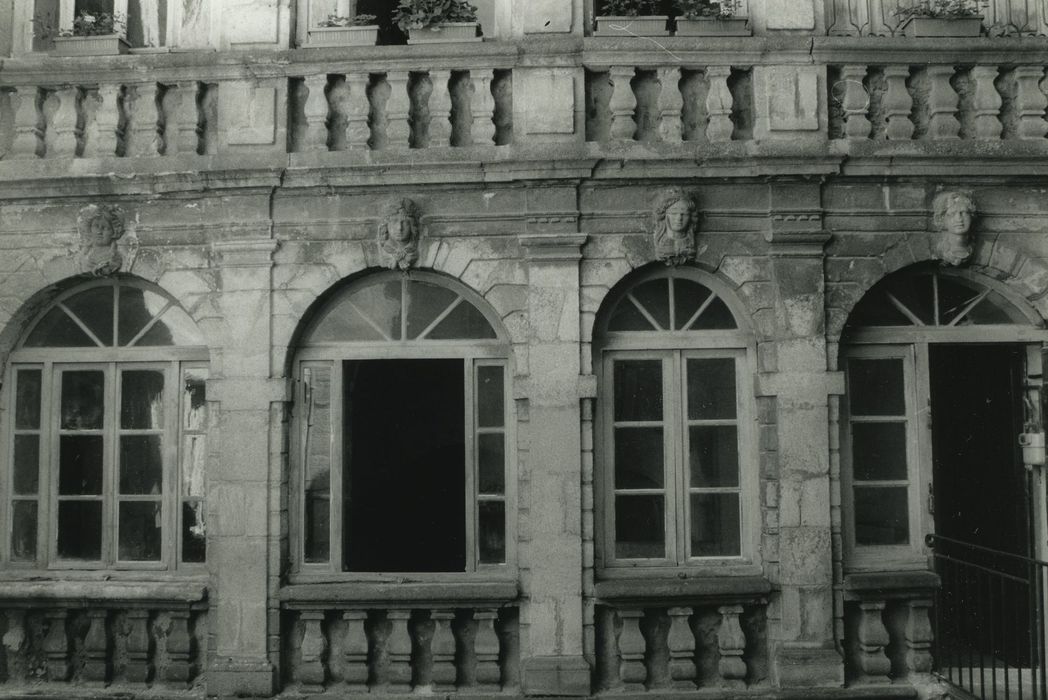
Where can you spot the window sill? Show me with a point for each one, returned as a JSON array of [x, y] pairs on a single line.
[[889, 584], [31, 592], [673, 590], [372, 594]]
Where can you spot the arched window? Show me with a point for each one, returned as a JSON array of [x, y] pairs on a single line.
[[677, 473], [105, 450], [403, 431]]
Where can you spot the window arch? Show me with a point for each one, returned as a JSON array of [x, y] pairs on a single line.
[[404, 419], [105, 446], [677, 472]]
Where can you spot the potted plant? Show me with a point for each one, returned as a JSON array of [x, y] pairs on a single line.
[[940, 18], [710, 18], [99, 34], [437, 21], [339, 30], [631, 18]]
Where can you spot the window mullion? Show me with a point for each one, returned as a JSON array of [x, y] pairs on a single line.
[[336, 499], [171, 478], [110, 466], [675, 483], [470, 425]]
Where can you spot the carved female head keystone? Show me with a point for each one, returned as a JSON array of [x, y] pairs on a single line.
[[952, 214], [100, 227], [398, 235], [675, 221]]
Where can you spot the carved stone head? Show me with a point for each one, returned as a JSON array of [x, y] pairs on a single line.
[[100, 227], [675, 221], [952, 214], [398, 235]]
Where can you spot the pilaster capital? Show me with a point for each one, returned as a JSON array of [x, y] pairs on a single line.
[[564, 247]]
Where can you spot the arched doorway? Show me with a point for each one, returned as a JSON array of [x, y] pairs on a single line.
[[943, 372]]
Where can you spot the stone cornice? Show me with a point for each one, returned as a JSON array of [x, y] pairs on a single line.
[[554, 248], [245, 253]]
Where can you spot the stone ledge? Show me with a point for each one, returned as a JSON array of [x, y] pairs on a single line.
[[68, 593], [371, 594], [889, 584], [676, 590]]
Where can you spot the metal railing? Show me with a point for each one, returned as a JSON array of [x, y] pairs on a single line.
[[990, 621]]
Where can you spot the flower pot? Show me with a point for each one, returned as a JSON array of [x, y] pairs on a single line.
[[943, 26], [366, 35], [446, 33], [646, 25], [100, 45], [713, 26]]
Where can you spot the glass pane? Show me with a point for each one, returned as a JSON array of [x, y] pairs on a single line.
[[638, 390], [492, 463], [23, 531], [57, 330], [994, 309], [140, 531], [714, 455], [141, 465], [881, 515], [80, 465], [638, 458], [317, 441], [639, 527], [381, 303], [425, 303], [654, 296], [27, 464], [711, 389], [875, 309], [175, 327], [137, 308], [194, 399], [491, 401], [715, 530], [342, 323], [94, 308], [688, 297], [716, 317], [914, 292], [194, 456], [80, 530], [626, 317], [462, 323], [878, 451], [491, 532], [27, 399], [142, 400], [83, 400], [954, 296], [194, 533], [876, 387]]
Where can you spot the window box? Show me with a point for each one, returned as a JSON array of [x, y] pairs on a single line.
[[646, 25], [918, 27], [446, 33], [713, 26], [366, 35], [101, 45]]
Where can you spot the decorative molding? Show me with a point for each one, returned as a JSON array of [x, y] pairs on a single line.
[[250, 253], [100, 226], [952, 215], [398, 235], [674, 224], [554, 248]]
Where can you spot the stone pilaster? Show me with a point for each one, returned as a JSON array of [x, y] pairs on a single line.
[[794, 371], [552, 654], [241, 393]]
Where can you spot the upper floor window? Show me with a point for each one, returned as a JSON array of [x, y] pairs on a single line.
[[404, 431], [105, 437], [677, 473], [143, 23]]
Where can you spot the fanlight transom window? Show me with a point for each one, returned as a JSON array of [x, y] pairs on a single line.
[[670, 303]]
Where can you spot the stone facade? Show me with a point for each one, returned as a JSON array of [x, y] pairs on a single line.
[[249, 185]]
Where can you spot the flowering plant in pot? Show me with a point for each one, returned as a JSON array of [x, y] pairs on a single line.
[[631, 18], [941, 18], [437, 21], [710, 18], [342, 30], [92, 34]]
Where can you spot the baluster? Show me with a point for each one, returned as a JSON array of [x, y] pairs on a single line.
[[101, 134], [14, 643], [986, 103], [56, 645], [61, 127], [398, 110], [179, 647], [671, 104], [355, 650], [311, 665], [623, 103], [440, 109], [897, 104], [632, 646], [942, 105], [482, 105], [719, 102], [357, 111], [317, 112], [873, 638], [185, 138], [732, 644], [398, 649], [919, 636], [486, 648], [856, 103], [96, 647], [442, 647], [27, 135], [1030, 103], [681, 642], [142, 137], [136, 628]]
